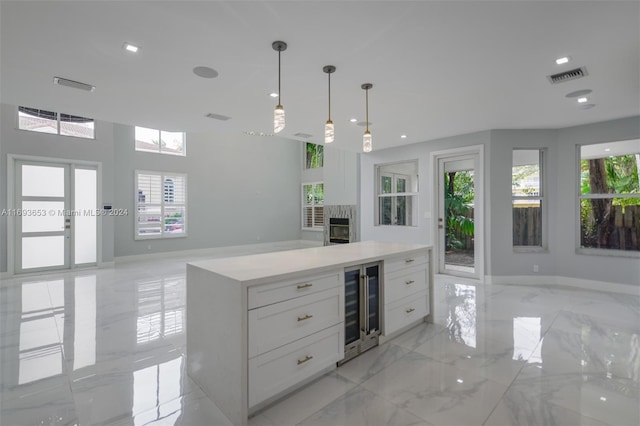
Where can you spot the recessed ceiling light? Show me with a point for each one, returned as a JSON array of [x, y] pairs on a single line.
[[460, 381], [403, 136], [354, 120], [602, 398], [273, 95], [582, 100], [130, 47], [563, 60], [607, 150]]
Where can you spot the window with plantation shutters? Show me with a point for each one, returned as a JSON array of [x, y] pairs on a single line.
[[313, 205], [161, 205]]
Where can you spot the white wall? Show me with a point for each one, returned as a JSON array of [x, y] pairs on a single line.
[[504, 260], [241, 190], [423, 232], [21, 142], [560, 258], [570, 264], [340, 176]]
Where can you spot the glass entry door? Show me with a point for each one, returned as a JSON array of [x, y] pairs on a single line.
[[51, 200], [456, 222]]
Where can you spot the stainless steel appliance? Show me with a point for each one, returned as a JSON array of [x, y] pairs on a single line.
[[339, 230], [362, 309]]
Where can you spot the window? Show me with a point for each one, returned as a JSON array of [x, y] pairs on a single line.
[[527, 194], [313, 155], [610, 196], [161, 308], [38, 120], [161, 205], [313, 206], [397, 193], [163, 142]]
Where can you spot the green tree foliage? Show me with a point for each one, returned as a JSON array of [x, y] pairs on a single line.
[[314, 155], [459, 194]]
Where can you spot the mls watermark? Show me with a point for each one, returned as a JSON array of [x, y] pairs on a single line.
[[63, 212]]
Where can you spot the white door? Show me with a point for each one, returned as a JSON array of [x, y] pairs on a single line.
[[56, 216], [459, 217]]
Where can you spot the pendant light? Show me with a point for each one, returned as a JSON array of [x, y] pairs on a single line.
[[278, 114], [328, 127], [366, 138]]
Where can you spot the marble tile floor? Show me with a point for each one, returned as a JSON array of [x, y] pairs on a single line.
[[107, 347]]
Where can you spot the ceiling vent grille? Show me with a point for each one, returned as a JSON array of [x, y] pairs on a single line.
[[74, 84], [217, 116], [568, 75]]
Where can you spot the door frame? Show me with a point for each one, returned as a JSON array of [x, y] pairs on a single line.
[[12, 160], [477, 151]]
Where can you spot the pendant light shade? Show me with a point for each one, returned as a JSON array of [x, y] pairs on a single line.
[[329, 132], [278, 114], [367, 143], [278, 119]]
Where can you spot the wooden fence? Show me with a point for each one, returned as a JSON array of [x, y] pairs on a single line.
[[527, 230], [624, 229]]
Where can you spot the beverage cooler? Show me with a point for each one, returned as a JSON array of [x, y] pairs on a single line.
[[362, 298]]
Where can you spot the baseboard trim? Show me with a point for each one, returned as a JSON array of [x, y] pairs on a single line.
[[226, 251], [553, 280]]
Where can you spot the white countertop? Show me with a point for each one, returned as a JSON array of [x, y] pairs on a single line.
[[255, 269]]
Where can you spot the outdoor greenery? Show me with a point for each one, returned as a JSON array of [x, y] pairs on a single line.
[[458, 198], [610, 175], [314, 155]]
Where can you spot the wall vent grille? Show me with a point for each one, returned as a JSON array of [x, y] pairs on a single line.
[[217, 116], [568, 75], [73, 84]]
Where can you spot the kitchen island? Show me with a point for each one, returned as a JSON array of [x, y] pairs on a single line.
[[262, 325]]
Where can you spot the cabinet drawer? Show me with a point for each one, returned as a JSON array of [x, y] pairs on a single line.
[[405, 311], [400, 263], [276, 325], [263, 295], [282, 368], [402, 283]]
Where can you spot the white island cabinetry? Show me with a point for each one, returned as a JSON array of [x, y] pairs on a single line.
[[260, 326]]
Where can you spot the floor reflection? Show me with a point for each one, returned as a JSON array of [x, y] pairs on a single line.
[[462, 313], [107, 348]]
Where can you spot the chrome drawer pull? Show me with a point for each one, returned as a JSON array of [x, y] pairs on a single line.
[[306, 317], [410, 310], [409, 260], [305, 285], [305, 359], [409, 282]]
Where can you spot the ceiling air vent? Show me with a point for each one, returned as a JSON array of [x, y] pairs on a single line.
[[217, 116], [302, 135], [74, 84], [568, 75]]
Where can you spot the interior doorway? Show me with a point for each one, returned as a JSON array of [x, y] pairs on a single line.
[[55, 225], [459, 212]]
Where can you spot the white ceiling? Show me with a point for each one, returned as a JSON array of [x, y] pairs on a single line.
[[438, 68]]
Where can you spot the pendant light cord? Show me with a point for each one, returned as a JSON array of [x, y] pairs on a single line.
[[279, 97], [329, 95], [367, 103]]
